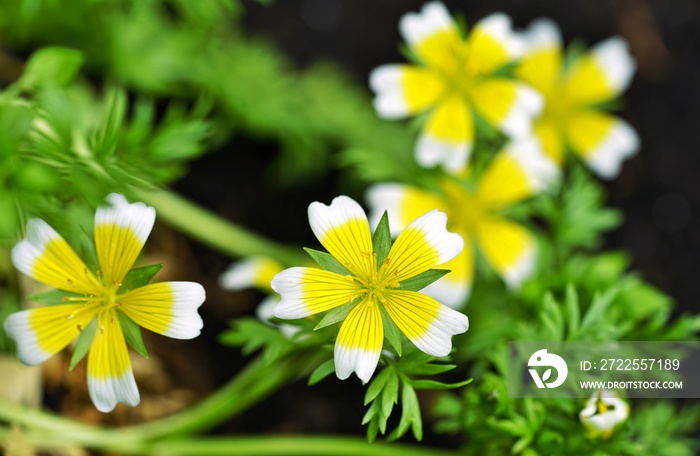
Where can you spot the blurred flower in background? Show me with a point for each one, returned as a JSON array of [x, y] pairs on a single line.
[[603, 413], [575, 95], [454, 80], [517, 172]]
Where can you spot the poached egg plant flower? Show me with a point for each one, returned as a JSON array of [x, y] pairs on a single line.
[[572, 116], [516, 173], [604, 412], [372, 279], [456, 78], [98, 300]]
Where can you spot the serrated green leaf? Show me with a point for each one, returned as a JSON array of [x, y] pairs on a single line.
[[410, 413], [436, 385], [381, 240], [139, 277], [422, 280], [327, 262], [83, 343], [391, 331], [321, 372], [132, 334], [377, 384], [333, 316], [53, 297]]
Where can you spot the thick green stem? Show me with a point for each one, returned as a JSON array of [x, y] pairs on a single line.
[[215, 231], [250, 385]]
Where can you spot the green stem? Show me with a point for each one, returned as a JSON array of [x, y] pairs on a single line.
[[215, 231], [256, 446], [250, 385]]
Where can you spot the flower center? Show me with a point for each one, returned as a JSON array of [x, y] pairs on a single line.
[[102, 303], [375, 280]]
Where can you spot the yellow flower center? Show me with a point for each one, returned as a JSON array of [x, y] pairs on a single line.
[[374, 281], [102, 303]]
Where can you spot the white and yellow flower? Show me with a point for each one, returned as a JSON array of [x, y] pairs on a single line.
[[603, 413], [342, 228], [571, 116], [516, 173], [455, 81], [168, 308]]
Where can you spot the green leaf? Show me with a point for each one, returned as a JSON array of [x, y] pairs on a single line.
[[53, 297], [390, 394], [436, 385], [598, 308], [391, 331], [51, 66], [327, 262], [338, 314], [428, 369], [83, 343], [139, 277], [321, 372], [410, 415], [422, 280], [132, 334], [381, 240]]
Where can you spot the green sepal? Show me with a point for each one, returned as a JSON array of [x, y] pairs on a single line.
[[381, 240], [53, 297], [391, 331], [139, 277], [337, 314], [321, 372], [83, 343], [327, 261], [132, 334], [87, 249], [422, 280], [435, 385]]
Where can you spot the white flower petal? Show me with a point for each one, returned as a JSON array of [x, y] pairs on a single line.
[[433, 18], [386, 82], [540, 170], [18, 327], [621, 142], [615, 60], [433, 225], [106, 393], [137, 216], [528, 104], [542, 33], [288, 284]]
